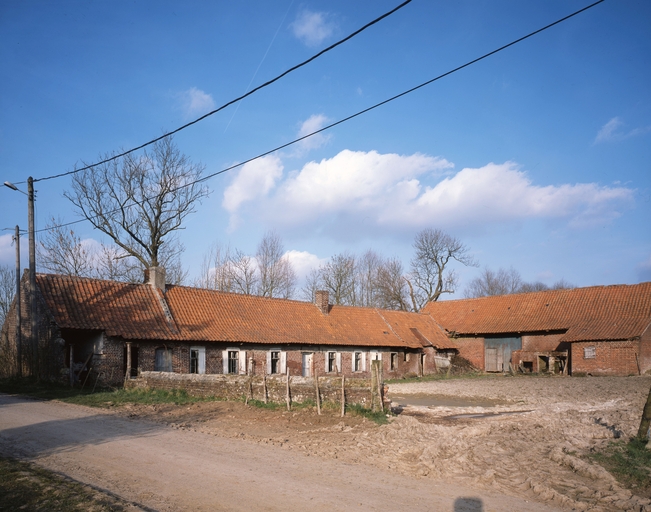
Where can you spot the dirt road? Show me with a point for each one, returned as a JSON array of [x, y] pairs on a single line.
[[158, 467]]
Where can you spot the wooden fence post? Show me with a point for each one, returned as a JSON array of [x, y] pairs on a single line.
[[318, 393], [264, 383], [288, 397], [343, 395], [645, 423]]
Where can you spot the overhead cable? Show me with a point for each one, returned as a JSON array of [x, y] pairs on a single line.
[[252, 91], [392, 98]]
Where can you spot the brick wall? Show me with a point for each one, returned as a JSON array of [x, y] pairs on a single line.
[[611, 358], [472, 349], [236, 387]]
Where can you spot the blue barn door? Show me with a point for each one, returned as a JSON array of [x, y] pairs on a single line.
[[498, 353]]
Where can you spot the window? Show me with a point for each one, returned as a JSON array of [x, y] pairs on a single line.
[[163, 361], [198, 360], [275, 361], [589, 352], [233, 361], [357, 361], [394, 361], [333, 362]]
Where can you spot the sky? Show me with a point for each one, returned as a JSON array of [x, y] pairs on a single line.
[[536, 158]]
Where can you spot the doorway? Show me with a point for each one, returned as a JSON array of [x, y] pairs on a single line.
[[307, 364]]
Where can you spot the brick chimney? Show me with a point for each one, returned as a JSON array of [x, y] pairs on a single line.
[[155, 276], [321, 300]]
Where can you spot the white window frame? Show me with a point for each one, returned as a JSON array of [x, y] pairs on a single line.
[[362, 361], [337, 361], [241, 360], [201, 359], [282, 362], [590, 352]]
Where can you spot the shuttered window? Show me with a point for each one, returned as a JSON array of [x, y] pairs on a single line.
[[163, 361]]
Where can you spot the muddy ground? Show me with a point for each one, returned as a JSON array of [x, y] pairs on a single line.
[[521, 436]]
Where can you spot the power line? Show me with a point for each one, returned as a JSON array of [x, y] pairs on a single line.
[[266, 84], [359, 113]]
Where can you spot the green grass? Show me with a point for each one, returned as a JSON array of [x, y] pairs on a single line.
[[629, 463], [378, 417], [101, 398], [25, 486]]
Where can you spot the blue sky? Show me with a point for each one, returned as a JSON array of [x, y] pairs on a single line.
[[537, 158]]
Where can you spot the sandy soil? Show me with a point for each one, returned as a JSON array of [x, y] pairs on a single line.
[[522, 437]]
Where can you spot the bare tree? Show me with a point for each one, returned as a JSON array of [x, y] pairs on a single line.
[[392, 289], [215, 273], [366, 279], [507, 281], [277, 277], [430, 275], [242, 272], [7, 290], [337, 276], [502, 282], [62, 251], [312, 284], [140, 202]]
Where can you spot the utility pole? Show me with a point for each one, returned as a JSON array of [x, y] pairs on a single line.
[[32, 276], [19, 355]]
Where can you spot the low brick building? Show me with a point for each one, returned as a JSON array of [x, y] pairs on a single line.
[[117, 329], [599, 330]]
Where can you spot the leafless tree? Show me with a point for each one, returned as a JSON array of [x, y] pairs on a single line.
[[7, 290], [215, 273], [502, 282], [140, 202], [506, 281], [62, 251], [276, 276], [312, 284], [366, 278], [392, 289], [338, 278], [243, 273], [430, 275]]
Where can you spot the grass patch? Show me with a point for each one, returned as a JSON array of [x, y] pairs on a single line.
[[102, 398], [25, 486], [378, 417], [629, 463]]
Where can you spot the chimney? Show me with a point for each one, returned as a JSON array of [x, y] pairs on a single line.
[[321, 300], [155, 276]]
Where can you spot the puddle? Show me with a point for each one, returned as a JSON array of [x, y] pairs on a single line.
[[424, 400], [481, 415]]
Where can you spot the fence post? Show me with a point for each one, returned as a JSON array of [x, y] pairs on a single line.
[[343, 395], [318, 393], [288, 397]]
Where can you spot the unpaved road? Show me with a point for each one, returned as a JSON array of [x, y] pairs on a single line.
[[155, 466]]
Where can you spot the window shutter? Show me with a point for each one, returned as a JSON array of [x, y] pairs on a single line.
[[242, 355], [338, 359], [268, 368], [202, 360], [225, 361], [283, 362]]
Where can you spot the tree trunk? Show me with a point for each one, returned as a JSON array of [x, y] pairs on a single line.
[[643, 432]]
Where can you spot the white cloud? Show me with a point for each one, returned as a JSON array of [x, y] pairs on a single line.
[[313, 123], [7, 250], [390, 193], [303, 262], [312, 28], [611, 131], [254, 180], [195, 102]]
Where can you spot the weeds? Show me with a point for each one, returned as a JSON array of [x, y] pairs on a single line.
[[629, 462], [378, 417]]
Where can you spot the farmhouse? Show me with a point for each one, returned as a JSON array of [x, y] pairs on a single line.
[[121, 329], [599, 330]]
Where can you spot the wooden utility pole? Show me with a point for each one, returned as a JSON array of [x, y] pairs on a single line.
[[32, 277], [19, 351]]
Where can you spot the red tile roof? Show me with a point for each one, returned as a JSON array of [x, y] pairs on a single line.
[[616, 312], [134, 311]]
